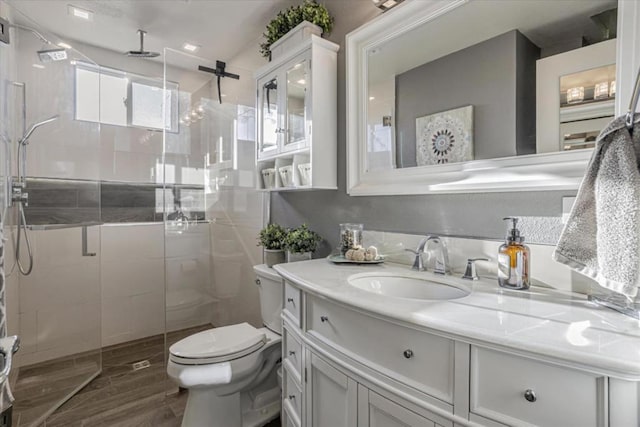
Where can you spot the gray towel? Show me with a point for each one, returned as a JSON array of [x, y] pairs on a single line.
[[601, 239]]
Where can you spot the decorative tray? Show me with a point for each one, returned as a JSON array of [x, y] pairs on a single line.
[[340, 259]]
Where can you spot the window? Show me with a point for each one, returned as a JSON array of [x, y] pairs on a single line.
[[114, 97]]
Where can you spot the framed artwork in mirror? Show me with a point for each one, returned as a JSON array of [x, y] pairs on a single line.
[[445, 137]]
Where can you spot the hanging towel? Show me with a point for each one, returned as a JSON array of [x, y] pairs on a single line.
[[601, 238]]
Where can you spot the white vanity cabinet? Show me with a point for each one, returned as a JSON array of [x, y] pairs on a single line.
[[335, 394], [296, 118], [331, 395], [347, 367]]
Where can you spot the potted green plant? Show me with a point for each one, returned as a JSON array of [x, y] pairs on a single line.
[[300, 243], [272, 238], [292, 18]]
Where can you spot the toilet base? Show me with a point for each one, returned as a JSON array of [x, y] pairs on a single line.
[[206, 409]]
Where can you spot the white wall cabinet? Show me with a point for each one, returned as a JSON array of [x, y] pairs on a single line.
[[296, 124], [341, 370]]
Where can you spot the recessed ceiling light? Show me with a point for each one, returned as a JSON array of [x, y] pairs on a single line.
[[39, 66], [301, 81], [371, 98], [190, 47], [64, 45], [80, 13]]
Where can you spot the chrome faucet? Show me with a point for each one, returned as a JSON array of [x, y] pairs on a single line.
[[442, 259]]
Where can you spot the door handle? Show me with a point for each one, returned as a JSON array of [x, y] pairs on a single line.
[[85, 249]]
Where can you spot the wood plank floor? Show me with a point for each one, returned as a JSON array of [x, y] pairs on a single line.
[[120, 396]]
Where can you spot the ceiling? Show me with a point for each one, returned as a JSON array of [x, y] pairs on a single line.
[[222, 28]]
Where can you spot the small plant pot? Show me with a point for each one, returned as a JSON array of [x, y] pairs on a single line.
[[273, 257], [298, 256]]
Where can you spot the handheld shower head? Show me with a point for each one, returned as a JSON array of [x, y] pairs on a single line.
[[25, 139]]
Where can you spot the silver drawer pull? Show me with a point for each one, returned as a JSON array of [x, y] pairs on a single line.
[[324, 319], [408, 353], [530, 395], [290, 300], [292, 397], [258, 282], [292, 353]]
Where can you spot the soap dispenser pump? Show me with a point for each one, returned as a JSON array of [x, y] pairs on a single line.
[[513, 259]]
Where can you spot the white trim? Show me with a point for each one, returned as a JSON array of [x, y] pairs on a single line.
[[549, 171]]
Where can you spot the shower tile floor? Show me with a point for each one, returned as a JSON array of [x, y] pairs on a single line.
[[119, 396]]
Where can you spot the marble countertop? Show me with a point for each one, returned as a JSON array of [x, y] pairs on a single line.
[[552, 325]]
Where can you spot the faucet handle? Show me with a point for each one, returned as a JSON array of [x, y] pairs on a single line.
[[418, 264], [470, 271]]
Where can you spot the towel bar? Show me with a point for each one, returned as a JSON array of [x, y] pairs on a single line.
[[634, 103]]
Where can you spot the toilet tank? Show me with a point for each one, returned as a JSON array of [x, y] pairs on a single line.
[[270, 285]]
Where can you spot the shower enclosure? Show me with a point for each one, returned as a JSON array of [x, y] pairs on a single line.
[[141, 216]]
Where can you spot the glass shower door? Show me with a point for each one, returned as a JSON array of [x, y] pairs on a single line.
[[212, 211], [56, 307]]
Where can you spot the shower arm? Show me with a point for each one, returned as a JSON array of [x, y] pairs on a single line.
[[42, 38]]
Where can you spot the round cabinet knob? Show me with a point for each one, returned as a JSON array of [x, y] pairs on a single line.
[[258, 282], [530, 395], [408, 353], [324, 319]]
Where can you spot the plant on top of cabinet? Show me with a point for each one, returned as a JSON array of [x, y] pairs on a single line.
[[289, 18], [272, 238], [300, 243]]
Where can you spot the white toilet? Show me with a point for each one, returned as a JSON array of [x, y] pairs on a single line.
[[230, 372]]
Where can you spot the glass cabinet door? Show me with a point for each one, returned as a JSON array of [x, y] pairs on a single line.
[[295, 113], [269, 129]]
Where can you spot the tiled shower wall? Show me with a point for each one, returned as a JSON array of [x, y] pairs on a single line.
[[66, 201]]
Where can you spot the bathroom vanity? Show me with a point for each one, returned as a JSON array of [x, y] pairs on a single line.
[[362, 346]]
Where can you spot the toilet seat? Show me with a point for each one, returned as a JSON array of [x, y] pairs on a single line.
[[218, 345]]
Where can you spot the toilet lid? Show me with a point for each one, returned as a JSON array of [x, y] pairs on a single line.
[[224, 342]]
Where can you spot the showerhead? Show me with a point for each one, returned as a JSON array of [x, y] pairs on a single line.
[[53, 54], [25, 139], [142, 53]]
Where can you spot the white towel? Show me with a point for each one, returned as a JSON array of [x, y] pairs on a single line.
[[601, 238]]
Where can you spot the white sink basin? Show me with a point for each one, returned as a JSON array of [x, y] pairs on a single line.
[[409, 286]]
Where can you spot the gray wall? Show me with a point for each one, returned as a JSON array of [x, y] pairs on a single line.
[[460, 214], [485, 75]]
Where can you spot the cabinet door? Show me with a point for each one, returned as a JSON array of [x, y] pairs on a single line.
[[296, 111], [332, 397], [269, 122], [377, 411]]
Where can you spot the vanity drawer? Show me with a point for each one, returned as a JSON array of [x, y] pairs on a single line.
[[293, 352], [292, 394], [516, 390], [292, 303], [413, 357]]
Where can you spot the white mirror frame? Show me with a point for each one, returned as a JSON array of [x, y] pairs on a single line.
[[550, 171]]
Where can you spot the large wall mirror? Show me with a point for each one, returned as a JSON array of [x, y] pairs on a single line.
[[485, 95]]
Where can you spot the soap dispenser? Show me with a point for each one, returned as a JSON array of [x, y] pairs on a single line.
[[513, 259]]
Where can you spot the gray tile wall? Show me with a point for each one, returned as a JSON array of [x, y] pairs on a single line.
[[61, 201]]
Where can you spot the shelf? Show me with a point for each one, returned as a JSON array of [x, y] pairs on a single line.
[[44, 227]]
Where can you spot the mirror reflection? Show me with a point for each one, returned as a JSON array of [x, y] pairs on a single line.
[[269, 107], [503, 79], [296, 89]]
